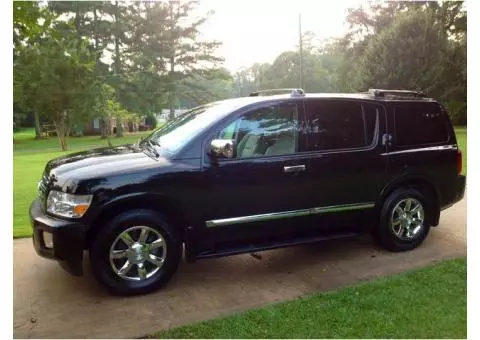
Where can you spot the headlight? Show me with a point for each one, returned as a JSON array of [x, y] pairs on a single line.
[[67, 205]]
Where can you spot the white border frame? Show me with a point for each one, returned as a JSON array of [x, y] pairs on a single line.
[[473, 139], [6, 135], [473, 8]]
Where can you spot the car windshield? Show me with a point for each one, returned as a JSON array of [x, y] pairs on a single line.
[[178, 132]]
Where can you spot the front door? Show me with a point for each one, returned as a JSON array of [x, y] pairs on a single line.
[[262, 189]]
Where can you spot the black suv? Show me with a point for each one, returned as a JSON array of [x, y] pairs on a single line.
[[247, 174]]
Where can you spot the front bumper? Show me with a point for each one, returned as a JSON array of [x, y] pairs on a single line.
[[68, 239]]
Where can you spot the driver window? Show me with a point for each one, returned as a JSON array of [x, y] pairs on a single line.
[[229, 131], [268, 131]]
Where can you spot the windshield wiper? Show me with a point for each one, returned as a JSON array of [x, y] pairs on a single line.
[[151, 146], [154, 142]]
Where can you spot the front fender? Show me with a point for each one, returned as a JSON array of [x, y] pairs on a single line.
[[167, 205]]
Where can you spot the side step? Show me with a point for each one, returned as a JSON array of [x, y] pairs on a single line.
[[249, 248]]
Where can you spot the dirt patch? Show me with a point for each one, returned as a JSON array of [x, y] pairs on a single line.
[[49, 303]]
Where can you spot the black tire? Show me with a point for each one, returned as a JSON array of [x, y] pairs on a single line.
[[384, 233], [100, 251]]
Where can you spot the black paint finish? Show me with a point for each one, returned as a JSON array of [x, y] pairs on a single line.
[[193, 187]]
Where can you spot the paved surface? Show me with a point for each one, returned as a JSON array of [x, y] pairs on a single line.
[[49, 303]]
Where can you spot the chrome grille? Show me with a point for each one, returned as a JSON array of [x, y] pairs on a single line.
[[43, 188]]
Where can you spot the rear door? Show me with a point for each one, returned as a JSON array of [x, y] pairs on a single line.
[[348, 160]]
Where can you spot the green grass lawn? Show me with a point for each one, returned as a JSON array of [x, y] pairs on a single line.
[[461, 133], [30, 157], [25, 142], [427, 303]]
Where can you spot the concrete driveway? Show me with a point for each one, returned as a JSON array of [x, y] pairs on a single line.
[[49, 303]]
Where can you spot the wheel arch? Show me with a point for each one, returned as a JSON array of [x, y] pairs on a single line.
[[420, 183], [168, 206]]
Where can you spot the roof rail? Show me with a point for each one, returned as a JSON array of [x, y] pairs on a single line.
[[294, 92], [383, 93]]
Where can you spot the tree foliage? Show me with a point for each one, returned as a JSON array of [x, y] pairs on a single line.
[[52, 78], [171, 45], [74, 60], [141, 55], [393, 45], [151, 120]]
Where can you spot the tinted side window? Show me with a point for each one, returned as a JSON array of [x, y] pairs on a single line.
[[268, 131], [420, 124], [339, 124], [371, 114]]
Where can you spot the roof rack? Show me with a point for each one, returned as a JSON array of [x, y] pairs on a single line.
[[294, 92], [400, 93]]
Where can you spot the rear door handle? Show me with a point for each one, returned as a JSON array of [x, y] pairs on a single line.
[[295, 168]]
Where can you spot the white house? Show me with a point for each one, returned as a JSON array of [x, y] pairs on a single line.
[[163, 116]]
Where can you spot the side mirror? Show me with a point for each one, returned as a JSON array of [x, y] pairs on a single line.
[[222, 147]]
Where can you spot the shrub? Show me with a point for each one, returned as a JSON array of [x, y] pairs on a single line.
[[151, 121]]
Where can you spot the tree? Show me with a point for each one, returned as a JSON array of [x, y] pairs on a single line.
[[101, 24], [173, 47], [199, 90], [30, 22], [52, 77], [156, 56], [284, 72], [187, 54], [410, 45], [151, 120], [244, 83], [118, 34], [416, 53]]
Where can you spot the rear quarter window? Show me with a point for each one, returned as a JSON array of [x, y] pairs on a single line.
[[420, 124]]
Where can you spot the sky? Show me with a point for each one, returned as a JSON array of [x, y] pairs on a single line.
[[258, 31]]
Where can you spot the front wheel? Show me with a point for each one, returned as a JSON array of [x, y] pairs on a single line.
[[402, 223], [136, 253]]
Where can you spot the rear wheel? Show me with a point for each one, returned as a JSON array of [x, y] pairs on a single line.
[[136, 253], [402, 224]]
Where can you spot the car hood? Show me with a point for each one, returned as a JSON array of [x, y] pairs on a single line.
[[101, 162]]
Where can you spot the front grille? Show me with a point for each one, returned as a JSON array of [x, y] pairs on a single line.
[[43, 189]]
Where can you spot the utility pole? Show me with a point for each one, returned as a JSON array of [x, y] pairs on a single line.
[[173, 88], [301, 49]]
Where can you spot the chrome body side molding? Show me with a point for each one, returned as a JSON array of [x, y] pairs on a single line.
[[430, 148], [288, 214]]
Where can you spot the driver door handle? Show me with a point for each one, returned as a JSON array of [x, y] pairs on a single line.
[[295, 168]]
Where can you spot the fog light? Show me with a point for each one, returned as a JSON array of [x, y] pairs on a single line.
[[48, 239]]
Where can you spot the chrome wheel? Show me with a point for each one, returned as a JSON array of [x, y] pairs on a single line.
[[138, 253], [407, 219]]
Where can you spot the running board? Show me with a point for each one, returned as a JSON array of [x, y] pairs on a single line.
[[249, 248]]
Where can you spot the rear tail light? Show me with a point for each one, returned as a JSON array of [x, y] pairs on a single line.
[[459, 162]]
